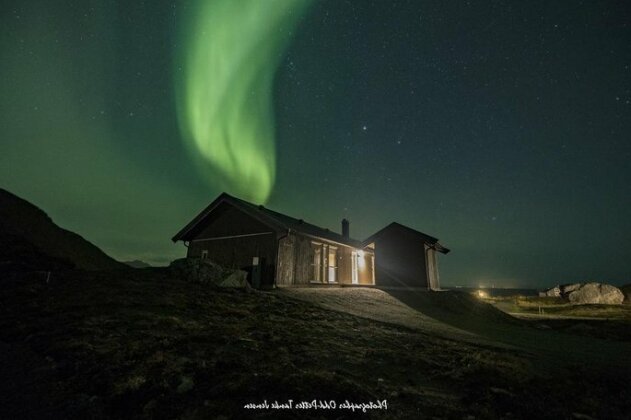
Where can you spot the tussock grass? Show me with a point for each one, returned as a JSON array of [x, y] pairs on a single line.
[[559, 306], [143, 344]]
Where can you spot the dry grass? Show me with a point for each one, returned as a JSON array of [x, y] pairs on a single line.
[[559, 307], [142, 344]]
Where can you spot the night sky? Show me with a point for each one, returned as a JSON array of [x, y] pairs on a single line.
[[500, 127]]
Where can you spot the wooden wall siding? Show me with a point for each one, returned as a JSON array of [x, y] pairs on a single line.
[[295, 261], [432, 268], [400, 260], [303, 265], [239, 252], [286, 261], [227, 220]]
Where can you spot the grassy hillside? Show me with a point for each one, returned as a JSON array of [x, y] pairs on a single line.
[[30, 239], [555, 306], [142, 344]]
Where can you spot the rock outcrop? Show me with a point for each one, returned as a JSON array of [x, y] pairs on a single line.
[[197, 270], [554, 292], [587, 293], [596, 293]]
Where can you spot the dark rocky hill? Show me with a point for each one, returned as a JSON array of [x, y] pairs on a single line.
[[30, 240]]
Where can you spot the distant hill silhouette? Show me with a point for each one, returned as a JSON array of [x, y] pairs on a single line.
[[30, 240], [137, 264]]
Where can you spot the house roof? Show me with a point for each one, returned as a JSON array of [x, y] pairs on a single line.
[[276, 221], [422, 236]]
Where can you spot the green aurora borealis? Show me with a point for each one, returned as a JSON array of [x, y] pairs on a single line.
[[225, 107]]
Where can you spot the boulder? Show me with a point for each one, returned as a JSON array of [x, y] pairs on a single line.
[[595, 293], [554, 292], [569, 288], [198, 270], [586, 293], [237, 278]]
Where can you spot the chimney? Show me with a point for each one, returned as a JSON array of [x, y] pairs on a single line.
[[345, 228]]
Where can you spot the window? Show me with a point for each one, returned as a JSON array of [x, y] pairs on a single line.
[[204, 254], [324, 263], [332, 260]]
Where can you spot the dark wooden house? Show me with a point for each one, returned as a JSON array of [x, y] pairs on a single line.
[[274, 248], [279, 250], [405, 257]]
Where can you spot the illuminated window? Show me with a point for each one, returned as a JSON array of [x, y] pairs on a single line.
[[332, 261]]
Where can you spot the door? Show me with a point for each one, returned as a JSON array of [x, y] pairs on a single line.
[[257, 272]]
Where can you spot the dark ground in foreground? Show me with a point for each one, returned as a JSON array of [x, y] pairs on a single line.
[[141, 344]]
